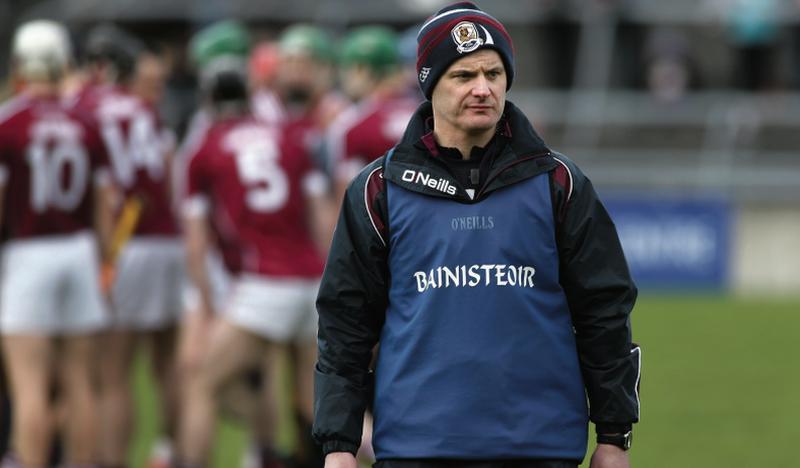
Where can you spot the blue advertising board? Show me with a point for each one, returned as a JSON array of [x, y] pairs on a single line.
[[674, 242]]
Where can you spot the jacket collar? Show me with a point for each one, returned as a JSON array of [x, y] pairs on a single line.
[[524, 155], [513, 124]]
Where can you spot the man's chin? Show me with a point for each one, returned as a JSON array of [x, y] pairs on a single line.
[[477, 127]]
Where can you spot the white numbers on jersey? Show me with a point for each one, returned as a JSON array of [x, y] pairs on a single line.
[[142, 150], [59, 166], [258, 162]]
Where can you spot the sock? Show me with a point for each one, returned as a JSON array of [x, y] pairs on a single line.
[[162, 454]]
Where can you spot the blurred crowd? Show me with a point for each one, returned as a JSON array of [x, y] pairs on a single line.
[[196, 238]]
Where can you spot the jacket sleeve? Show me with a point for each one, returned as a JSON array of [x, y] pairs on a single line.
[[352, 302], [601, 296]]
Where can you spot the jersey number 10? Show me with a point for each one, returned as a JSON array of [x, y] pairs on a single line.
[[59, 172]]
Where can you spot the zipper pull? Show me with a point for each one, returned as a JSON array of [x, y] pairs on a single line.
[[475, 176]]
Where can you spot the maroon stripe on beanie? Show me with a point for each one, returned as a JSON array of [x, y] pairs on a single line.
[[423, 55], [442, 29], [472, 16]]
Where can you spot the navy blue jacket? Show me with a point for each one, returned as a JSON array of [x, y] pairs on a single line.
[[568, 315]]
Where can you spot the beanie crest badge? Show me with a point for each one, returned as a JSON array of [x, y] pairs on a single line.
[[465, 35]]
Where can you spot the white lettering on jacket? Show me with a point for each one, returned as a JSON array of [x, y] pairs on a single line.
[[471, 276], [442, 185]]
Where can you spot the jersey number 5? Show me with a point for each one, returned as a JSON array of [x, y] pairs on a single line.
[[257, 161]]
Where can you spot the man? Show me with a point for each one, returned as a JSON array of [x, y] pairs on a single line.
[[372, 77], [109, 56], [149, 271], [55, 189], [229, 40], [492, 276], [260, 192], [303, 86], [262, 68]]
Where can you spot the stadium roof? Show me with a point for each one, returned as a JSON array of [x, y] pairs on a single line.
[[336, 11], [385, 11]]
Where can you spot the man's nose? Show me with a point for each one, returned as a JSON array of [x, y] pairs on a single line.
[[481, 87]]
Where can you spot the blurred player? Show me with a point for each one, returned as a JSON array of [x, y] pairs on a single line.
[[304, 86], [221, 39], [261, 190], [149, 271], [55, 186], [262, 70], [109, 57], [371, 75]]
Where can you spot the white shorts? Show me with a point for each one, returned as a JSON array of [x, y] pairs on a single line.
[[147, 288], [51, 286], [278, 309], [220, 286]]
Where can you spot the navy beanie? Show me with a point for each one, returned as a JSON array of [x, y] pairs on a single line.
[[453, 32]]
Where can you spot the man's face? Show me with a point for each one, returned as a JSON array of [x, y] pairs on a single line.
[[357, 81], [470, 96], [300, 77], [150, 78]]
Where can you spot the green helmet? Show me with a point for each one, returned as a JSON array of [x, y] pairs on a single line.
[[307, 39], [221, 38], [374, 46]]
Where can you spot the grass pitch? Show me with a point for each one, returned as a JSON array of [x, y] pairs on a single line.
[[720, 387]]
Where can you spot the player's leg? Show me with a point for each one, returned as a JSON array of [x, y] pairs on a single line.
[[304, 353], [115, 395], [266, 417], [230, 350], [5, 409], [192, 326], [76, 380], [28, 363], [272, 309], [83, 314], [366, 454], [167, 266], [119, 343], [304, 358], [163, 359], [29, 318], [194, 330]]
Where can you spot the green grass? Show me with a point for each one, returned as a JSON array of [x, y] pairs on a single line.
[[720, 383], [720, 386], [231, 435]]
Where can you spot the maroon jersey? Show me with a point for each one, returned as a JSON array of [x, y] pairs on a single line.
[[252, 178], [50, 159], [138, 148], [366, 131]]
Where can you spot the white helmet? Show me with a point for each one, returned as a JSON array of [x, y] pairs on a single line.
[[41, 50]]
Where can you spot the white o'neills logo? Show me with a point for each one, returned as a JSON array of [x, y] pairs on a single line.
[[442, 185], [465, 35], [471, 276]]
